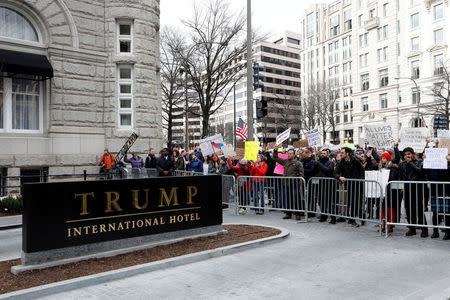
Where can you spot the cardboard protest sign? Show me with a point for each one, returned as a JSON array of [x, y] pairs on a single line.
[[443, 134], [372, 189], [435, 158], [283, 136], [240, 150], [350, 145], [279, 169], [413, 137], [301, 144], [271, 146], [444, 143], [228, 150], [313, 138], [379, 136]]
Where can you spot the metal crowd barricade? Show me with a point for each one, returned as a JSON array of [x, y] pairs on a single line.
[[272, 193], [356, 199], [186, 173], [426, 204], [132, 173], [228, 190]]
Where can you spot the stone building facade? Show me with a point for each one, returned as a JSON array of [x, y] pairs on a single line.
[[104, 56]]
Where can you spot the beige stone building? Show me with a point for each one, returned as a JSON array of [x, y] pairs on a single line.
[[76, 76]]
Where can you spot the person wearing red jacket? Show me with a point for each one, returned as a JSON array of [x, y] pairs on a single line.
[[244, 185], [259, 169]]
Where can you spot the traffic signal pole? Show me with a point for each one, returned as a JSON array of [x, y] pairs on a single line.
[[249, 73]]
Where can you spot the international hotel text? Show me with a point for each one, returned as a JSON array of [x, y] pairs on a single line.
[[167, 203]]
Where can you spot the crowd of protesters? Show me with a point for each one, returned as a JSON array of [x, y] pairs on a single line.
[[345, 169]]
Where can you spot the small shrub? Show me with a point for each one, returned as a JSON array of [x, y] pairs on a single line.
[[11, 205]]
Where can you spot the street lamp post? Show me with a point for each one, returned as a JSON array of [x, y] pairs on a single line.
[[418, 100], [249, 73], [186, 118]]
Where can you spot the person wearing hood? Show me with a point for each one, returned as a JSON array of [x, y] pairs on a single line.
[[165, 163], [150, 161], [324, 167]]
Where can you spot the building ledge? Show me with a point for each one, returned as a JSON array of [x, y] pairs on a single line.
[[372, 23]]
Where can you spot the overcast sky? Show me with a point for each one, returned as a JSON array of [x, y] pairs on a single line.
[[268, 15]]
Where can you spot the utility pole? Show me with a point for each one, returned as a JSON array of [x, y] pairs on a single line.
[[249, 72], [186, 118]]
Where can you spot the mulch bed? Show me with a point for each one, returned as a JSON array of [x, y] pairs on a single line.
[[236, 234]]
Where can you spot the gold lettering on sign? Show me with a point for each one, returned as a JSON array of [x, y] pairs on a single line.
[[83, 201], [192, 191], [168, 199], [135, 196], [111, 200]]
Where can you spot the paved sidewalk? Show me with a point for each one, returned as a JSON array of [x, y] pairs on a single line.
[[10, 222], [318, 261]]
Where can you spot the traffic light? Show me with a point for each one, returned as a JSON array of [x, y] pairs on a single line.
[[257, 76], [261, 108]]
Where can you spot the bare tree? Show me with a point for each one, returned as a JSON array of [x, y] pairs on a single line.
[[310, 107], [288, 113], [441, 93], [171, 79], [216, 42]]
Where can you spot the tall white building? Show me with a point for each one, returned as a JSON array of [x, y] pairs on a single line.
[[281, 92], [397, 52]]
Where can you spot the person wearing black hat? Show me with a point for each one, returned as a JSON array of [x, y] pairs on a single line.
[[411, 170]]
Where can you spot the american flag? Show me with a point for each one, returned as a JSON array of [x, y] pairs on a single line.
[[241, 130]]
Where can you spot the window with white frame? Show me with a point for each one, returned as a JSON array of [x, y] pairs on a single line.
[[124, 36], [438, 64], [415, 69], [438, 36], [438, 12], [383, 101], [415, 20], [21, 105], [385, 9], [415, 96], [415, 44], [364, 82], [384, 77], [125, 96], [365, 104], [15, 25], [363, 61], [382, 54]]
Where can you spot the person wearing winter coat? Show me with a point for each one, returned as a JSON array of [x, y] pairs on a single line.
[[259, 169], [411, 169], [179, 161], [137, 163], [195, 164], [292, 168], [351, 168], [326, 189], [165, 163], [107, 162], [150, 161]]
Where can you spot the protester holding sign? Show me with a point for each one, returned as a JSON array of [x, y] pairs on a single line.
[[292, 168]]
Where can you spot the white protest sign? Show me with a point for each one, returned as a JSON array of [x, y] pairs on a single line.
[[283, 136], [413, 137], [443, 134], [372, 189], [209, 144], [228, 150], [379, 136], [313, 138], [435, 158]]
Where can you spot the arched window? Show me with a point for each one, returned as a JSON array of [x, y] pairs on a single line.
[[15, 25]]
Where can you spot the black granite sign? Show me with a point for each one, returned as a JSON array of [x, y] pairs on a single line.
[[58, 215]]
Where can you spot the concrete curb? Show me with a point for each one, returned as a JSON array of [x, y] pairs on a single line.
[[8, 227], [82, 282]]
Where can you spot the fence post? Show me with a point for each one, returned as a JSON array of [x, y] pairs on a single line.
[[84, 175]]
